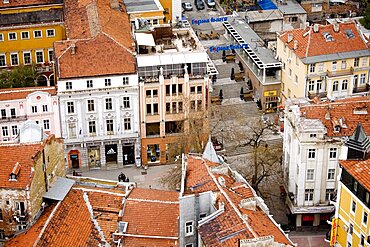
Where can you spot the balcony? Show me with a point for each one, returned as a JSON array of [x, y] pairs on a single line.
[[362, 89], [319, 95], [15, 118], [342, 72]]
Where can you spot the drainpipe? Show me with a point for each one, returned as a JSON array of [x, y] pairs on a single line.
[[197, 212]]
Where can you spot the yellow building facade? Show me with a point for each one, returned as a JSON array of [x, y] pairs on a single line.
[[323, 64], [27, 34]]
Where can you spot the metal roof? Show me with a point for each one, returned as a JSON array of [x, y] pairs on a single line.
[[264, 15], [288, 7], [140, 5], [335, 56], [266, 4], [59, 189], [244, 34]]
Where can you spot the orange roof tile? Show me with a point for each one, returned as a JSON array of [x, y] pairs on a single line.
[[101, 35], [314, 44], [228, 227], [9, 156], [152, 194], [28, 3], [359, 169], [149, 242], [22, 93], [340, 109]]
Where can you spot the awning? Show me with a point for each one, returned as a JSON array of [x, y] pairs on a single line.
[[59, 189], [166, 59], [196, 57], [178, 58], [145, 39], [144, 61]]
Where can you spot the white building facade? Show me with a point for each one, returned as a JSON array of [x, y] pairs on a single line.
[[18, 105], [100, 119]]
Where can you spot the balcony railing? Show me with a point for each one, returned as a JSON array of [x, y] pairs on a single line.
[[15, 118], [341, 72], [318, 95], [361, 89]]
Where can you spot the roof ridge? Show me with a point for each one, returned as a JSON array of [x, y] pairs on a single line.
[[124, 47], [99, 191], [155, 201], [26, 89], [308, 41]]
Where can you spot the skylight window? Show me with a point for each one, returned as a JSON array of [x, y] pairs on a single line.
[[328, 36], [349, 34]]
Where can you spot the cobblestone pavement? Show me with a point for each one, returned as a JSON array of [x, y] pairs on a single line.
[[309, 239]]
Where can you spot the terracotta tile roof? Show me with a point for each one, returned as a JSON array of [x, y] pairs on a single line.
[[25, 239], [341, 109], [359, 169], [28, 3], [229, 227], [101, 35], [22, 93], [9, 156], [148, 214], [314, 44]]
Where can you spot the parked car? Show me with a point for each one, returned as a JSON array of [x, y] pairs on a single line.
[[199, 4], [211, 3], [187, 6]]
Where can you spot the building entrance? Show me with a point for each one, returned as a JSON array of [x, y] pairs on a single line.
[[128, 154], [111, 153]]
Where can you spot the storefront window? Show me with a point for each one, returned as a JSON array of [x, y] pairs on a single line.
[[153, 153], [94, 157]]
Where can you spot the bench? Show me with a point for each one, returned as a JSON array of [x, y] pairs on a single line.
[[230, 58], [239, 76]]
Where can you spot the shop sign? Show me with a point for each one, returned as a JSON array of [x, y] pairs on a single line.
[[212, 19], [270, 93], [333, 233], [111, 151], [227, 47]]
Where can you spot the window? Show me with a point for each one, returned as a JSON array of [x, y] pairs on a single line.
[[25, 35], [312, 135], [3, 114], [353, 207], [127, 123], [109, 123], [72, 130], [362, 78], [367, 197], [108, 82], [192, 89], [39, 56], [27, 57], [311, 153], [199, 89], [37, 34], [320, 67], [44, 108], [319, 85], [293, 19], [50, 33], [155, 93], [70, 107], [344, 64], [308, 195], [50, 55], [312, 68], [34, 108], [5, 130], [125, 80], [92, 127], [168, 107], [14, 59], [290, 72], [331, 174], [334, 65], [90, 105], [1, 214], [189, 228], [180, 106], [362, 241], [148, 109], [155, 108], [108, 104], [202, 216], [364, 61], [155, 21], [335, 86], [12, 36], [329, 195], [2, 60], [356, 62], [350, 231], [310, 174], [344, 84], [68, 85], [12, 113], [311, 86], [355, 186], [333, 153], [1, 37], [189, 245], [89, 83], [126, 102], [46, 124], [14, 130], [364, 218]]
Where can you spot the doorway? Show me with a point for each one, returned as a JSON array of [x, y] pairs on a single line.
[[111, 153], [128, 151], [74, 161]]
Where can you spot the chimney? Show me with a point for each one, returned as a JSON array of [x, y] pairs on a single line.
[[73, 48], [295, 45], [114, 4], [290, 37], [316, 28], [336, 27]]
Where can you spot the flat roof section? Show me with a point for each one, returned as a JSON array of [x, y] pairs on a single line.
[[141, 5]]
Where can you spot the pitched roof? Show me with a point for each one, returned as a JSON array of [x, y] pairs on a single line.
[[101, 36], [348, 111], [229, 227], [359, 169], [151, 213], [11, 154], [22, 93], [28, 3], [310, 43]]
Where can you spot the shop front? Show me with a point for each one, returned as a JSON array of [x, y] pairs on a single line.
[[74, 159], [94, 157], [128, 151], [153, 153], [111, 154]]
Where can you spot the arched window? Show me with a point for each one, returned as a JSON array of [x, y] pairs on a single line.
[[335, 86]]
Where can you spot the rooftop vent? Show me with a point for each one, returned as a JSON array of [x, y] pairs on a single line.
[[15, 172], [349, 34], [290, 37], [336, 27], [295, 44], [328, 36], [122, 226], [316, 28], [73, 48]]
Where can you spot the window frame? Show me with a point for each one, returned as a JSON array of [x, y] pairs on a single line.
[[69, 85], [311, 153], [28, 35], [109, 126], [43, 57], [5, 131], [14, 130], [15, 36], [107, 82], [125, 80], [363, 217], [1, 37], [353, 207], [90, 105], [24, 59], [47, 33], [70, 105], [11, 59], [310, 174], [34, 34], [127, 126], [108, 104], [333, 153], [331, 173], [189, 228], [5, 63], [46, 124]]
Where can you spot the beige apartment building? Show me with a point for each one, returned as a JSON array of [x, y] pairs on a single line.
[[323, 61]]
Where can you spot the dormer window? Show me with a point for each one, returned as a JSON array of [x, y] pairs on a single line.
[[337, 129], [15, 172], [328, 37]]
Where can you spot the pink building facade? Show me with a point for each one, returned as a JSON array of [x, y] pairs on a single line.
[[17, 105]]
